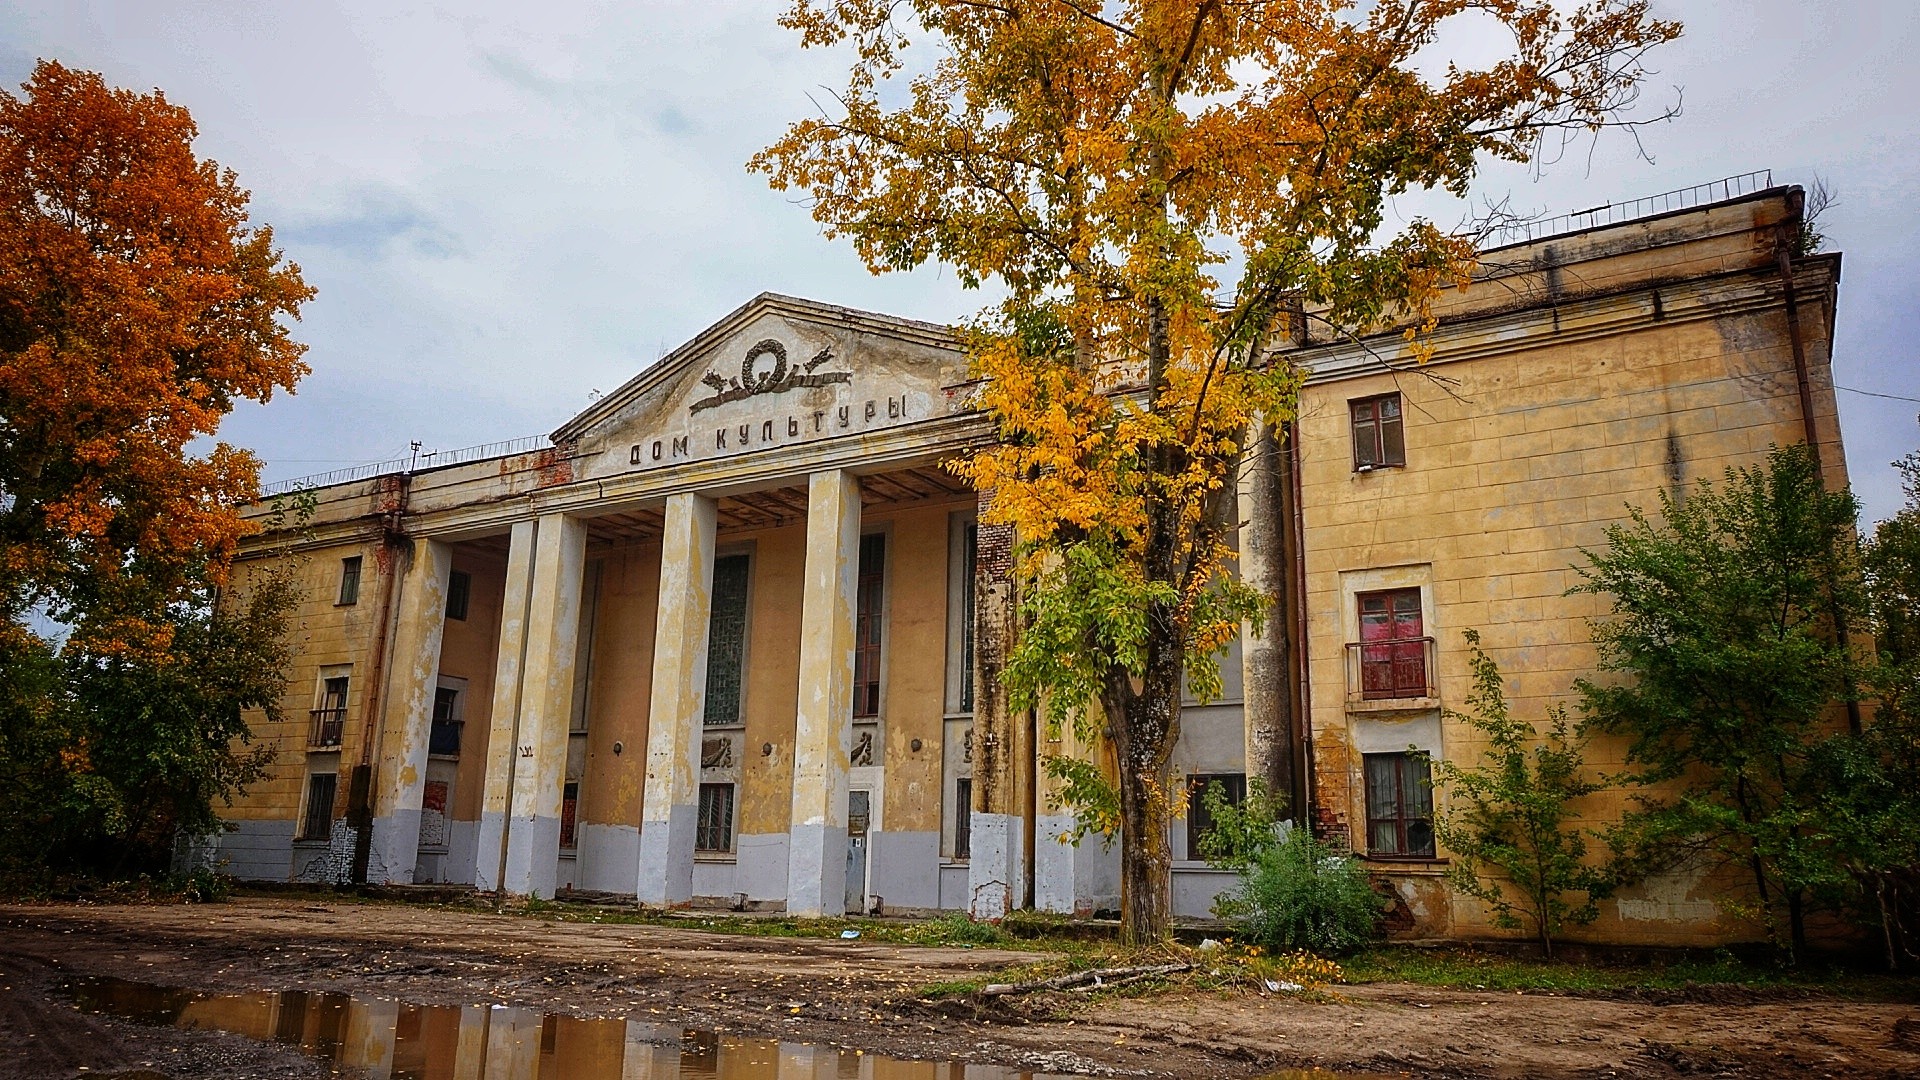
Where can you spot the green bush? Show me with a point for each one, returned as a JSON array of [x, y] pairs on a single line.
[[1300, 893]]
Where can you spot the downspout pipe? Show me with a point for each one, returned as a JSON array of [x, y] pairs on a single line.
[[1803, 382]]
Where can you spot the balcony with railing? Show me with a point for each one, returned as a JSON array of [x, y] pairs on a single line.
[[327, 727], [443, 738], [1392, 674]]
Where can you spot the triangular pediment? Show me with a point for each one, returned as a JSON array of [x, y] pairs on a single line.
[[778, 371]]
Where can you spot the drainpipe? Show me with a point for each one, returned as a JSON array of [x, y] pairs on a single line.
[[394, 544], [1294, 544], [1783, 253]]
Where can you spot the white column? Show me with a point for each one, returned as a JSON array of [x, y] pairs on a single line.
[[546, 706], [503, 732], [823, 729], [400, 776], [671, 804]]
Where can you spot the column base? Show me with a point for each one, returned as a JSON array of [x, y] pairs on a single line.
[[1070, 879], [996, 869], [396, 848], [817, 870], [666, 859], [533, 853]]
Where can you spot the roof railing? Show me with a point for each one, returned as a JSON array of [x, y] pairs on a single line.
[[1731, 187], [426, 459]]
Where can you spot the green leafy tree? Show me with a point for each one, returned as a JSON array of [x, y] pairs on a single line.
[[1506, 821], [1728, 669], [1873, 778]]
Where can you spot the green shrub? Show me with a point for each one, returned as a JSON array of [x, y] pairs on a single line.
[[1300, 893]]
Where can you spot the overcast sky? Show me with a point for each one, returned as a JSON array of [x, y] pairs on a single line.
[[509, 206]]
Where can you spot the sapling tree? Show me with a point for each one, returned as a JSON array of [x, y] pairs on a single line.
[[1507, 820]]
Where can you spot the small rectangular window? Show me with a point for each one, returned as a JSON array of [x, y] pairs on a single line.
[[349, 581], [1399, 806], [713, 830], [318, 822], [962, 818], [1379, 434], [870, 615], [444, 735], [459, 590], [1393, 647], [1199, 820], [570, 816]]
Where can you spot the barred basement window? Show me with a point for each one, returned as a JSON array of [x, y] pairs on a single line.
[[318, 822], [870, 615], [459, 589], [1379, 436], [1399, 806], [713, 829], [726, 639], [1199, 818], [349, 581]]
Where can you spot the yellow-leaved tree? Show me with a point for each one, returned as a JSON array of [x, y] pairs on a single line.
[[1159, 187]]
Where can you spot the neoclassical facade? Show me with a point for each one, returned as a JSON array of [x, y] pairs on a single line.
[[730, 636]]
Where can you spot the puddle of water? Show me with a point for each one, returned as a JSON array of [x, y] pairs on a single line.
[[392, 1040]]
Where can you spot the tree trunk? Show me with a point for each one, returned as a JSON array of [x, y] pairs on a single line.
[[1145, 725]]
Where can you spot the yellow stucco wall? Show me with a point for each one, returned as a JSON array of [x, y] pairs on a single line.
[[1516, 462]]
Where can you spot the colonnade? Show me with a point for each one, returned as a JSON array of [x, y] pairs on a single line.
[[533, 687]]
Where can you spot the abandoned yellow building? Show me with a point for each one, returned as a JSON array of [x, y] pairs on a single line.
[[713, 641]]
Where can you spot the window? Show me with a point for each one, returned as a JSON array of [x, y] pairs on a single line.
[[318, 822], [330, 719], [1199, 820], [1393, 649], [570, 816], [713, 830], [444, 736], [969, 565], [726, 639], [459, 591], [962, 818], [1379, 437], [869, 615], [1399, 806], [349, 581]]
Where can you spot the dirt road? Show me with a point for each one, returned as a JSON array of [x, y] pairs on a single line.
[[859, 994]]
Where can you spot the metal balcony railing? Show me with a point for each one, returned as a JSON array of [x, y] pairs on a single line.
[[444, 737], [1390, 670], [327, 727]]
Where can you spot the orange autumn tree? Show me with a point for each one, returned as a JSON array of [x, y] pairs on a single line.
[[137, 305], [1155, 185]]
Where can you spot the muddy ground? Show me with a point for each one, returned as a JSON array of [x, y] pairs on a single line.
[[861, 994]]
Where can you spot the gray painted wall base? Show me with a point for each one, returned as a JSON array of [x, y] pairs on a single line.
[[817, 870], [1194, 890], [256, 850], [904, 870], [713, 880], [760, 868], [463, 847], [665, 872], [609, 858]]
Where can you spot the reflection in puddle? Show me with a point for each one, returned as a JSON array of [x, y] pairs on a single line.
[[396, 1041]]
